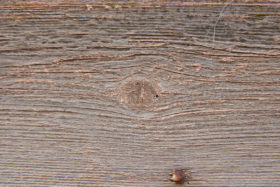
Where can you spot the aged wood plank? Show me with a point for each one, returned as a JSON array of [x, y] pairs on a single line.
[[121, 93]]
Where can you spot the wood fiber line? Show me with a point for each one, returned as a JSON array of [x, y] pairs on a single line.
[[106, 93]]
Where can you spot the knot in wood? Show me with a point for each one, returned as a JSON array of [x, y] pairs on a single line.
[[139, 92]]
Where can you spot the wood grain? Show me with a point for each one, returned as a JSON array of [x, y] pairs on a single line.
[[122, 93]]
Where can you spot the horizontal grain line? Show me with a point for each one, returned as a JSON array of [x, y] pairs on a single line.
[[27, 49], [207, 112]]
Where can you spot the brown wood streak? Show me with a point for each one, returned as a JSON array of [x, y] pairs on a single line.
[[121, 93]]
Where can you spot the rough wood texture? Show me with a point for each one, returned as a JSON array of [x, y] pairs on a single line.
[[121, 93]]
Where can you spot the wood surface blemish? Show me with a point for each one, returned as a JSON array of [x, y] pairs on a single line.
[[139, 92]]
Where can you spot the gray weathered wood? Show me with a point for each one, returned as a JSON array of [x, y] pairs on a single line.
[[121, 93]]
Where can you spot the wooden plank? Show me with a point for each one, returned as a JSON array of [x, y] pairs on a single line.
[[122, 93]]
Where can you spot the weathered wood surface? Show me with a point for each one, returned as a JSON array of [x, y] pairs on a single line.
[[121, 93]]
